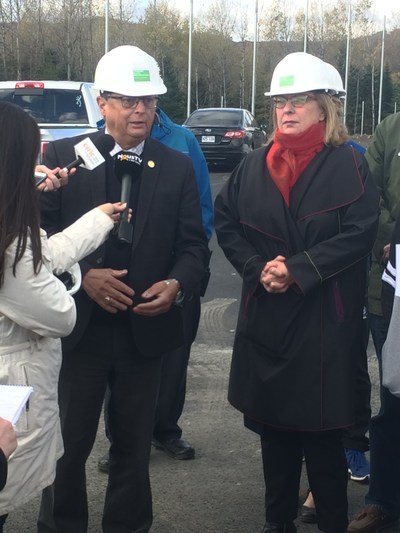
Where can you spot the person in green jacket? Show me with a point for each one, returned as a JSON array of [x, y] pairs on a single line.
[[382, 505], [383, 156]]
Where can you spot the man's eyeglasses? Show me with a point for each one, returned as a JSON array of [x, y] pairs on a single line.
[[299, 100], [131, 102]]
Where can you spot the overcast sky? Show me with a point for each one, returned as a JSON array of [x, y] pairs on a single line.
[[380, 7]]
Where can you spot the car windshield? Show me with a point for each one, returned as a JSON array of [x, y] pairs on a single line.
[[49, 106], [212, 117]]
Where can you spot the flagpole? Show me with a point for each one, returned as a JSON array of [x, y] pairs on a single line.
[[253, 85], [189, 86], [106, 23], [305, 28], [346, 75], [381, 78]]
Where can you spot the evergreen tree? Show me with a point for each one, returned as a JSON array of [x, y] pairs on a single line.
[[173, 101]]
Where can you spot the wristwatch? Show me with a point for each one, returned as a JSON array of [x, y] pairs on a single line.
[[179, 295]]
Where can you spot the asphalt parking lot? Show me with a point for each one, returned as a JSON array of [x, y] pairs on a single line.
[[222, 489]]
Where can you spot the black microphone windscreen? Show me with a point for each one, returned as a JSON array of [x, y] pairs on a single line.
[[104, 144], [128, 164]]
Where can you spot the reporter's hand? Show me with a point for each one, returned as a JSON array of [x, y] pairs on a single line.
[[8, 437], [103, 285], [114, 210], [53, 182]]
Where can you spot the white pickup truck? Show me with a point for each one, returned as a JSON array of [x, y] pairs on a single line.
[[61, 108]]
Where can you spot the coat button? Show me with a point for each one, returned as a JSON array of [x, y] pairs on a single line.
[[99, 260]]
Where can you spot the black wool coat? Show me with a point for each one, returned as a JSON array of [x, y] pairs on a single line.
[[294, 356]]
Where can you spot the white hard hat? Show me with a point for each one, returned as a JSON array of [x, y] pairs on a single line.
[[128, 70], [301, 72]]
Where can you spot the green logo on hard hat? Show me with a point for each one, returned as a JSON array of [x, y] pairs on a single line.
[[286, 81], [141, 75]]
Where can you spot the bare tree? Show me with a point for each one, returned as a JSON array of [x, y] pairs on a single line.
[[221, 21], [3, 37], [278, 25]]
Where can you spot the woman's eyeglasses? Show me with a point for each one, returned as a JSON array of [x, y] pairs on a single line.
[[298, 100], [131, 102]]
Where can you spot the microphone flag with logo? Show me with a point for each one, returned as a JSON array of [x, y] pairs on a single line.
[[90, 154]]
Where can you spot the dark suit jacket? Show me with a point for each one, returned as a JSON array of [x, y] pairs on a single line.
[[3, 469], [168, 242]]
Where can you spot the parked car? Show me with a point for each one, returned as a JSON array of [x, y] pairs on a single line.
[[226, 135], [61, 108]]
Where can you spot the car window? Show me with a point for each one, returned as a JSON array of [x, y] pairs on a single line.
[[250, 120], [247, 118], [214, 117], [49, 106]]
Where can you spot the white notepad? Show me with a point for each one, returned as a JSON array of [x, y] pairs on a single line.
[[13, 399]]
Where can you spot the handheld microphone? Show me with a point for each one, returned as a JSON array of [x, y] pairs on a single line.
[[39, 177], [128, 168], [91, 154]]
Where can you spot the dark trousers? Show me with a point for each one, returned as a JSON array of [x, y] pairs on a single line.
[[384, 437], [379, 327], [172, 390], [355, 437], [105, 356], [282, 453]]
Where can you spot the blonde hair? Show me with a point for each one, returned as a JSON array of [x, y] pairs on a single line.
[[335, 130]]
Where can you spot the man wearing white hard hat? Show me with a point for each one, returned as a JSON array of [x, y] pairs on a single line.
[[167, 433], [129, 308]]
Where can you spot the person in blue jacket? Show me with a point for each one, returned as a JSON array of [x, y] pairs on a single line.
[[183, 140], [167, 434]]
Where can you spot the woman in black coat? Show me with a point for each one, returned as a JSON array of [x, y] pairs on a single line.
[[298, 219], [8, 443]]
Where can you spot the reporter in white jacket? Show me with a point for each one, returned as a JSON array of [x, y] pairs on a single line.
[[35, 307]]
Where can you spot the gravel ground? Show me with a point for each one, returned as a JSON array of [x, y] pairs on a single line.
[[222, 489]]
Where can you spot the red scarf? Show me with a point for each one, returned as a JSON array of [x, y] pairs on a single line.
[[290, 154]]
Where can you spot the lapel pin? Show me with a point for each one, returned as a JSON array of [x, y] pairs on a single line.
[[151, 164]]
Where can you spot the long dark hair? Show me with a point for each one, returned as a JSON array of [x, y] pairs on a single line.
[[19, 210]]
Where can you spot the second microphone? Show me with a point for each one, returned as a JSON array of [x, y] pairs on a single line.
[[128, 169]]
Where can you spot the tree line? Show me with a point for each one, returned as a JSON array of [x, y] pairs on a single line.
[[64, 39]]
